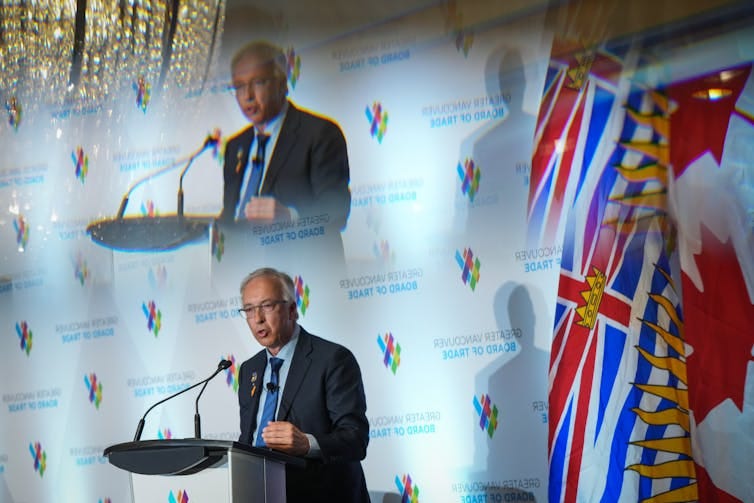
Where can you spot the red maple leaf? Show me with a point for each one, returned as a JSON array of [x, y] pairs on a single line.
[[699, 124], [708, 491], [718, 325]]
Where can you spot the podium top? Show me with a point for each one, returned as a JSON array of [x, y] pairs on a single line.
[[184, 456]]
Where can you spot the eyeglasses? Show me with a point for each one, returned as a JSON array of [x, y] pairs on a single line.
[[255, 84], [267, 307]]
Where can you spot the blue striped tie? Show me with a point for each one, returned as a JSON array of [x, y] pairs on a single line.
[[257, 169], [271, 402]]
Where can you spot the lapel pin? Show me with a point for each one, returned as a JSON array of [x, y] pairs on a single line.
[[239, 155]]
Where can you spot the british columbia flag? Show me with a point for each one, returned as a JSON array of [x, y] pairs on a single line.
[[622, 372]]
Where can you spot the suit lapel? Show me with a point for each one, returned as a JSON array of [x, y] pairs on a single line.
[[257, 381], [284, 146], [296, 373]]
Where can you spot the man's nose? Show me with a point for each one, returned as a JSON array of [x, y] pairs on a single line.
[[258, 314], [249, 91]]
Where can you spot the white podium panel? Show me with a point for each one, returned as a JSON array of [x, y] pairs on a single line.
[[241, 479], [202, 471]]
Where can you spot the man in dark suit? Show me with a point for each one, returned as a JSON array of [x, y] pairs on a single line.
[[319, 395], [304, 161]]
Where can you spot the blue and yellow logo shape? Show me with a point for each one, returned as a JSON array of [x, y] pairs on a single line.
[[13, 107], [377, 118], [469, 267], [293, 66], [153, 315], [302, 294], [143, 93], [95, 389], [180, 497], [487, 412], [470, 175], [408, 490], [218, 243], [231, 374], [149, 209], [25, 336], [40, 458], [157, 276], [391, 351], [22, 232], [80, 269], [81, 163]]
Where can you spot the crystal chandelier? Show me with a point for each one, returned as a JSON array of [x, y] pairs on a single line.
[[85, 52]]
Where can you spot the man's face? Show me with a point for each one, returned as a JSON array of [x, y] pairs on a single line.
[[260, 93], [271, 329]]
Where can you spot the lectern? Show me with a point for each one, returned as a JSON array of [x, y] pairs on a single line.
[[214, 471]]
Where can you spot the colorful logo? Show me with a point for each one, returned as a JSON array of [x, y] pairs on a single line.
[[95, 389], [80, 269], [218, 243], [231, 373], [182, 497], [148, 209], [487, 414], [408, 490], [14, 113], [464, 37], [143, 93], [154, 317], [40, 458], [377, 118], [22, 232], [293, 66], [391, 351], [469, 267], [157, 276], [469, 175], [302, 294], [105, 500], [164, 434], [215, 139], [81, 162], [24, 334], [382, 251]]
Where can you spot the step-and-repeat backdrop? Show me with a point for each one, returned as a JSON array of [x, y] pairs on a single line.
[[446, 308]]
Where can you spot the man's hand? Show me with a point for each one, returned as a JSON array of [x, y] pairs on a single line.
[[266, 208], [283, 436]]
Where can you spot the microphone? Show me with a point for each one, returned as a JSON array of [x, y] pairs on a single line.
[[224, 364], [271, 388], [211, 139]]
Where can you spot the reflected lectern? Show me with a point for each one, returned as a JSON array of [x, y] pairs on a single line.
[[215, 470]]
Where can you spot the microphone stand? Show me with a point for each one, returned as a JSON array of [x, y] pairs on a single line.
[[224, 364], [207, 142], [210, 141]]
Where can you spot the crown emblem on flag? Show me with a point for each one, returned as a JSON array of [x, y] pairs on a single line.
[[593, 297]]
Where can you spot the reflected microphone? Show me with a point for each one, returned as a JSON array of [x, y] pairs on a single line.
[[271, 388], [212, 140], [224, 364]]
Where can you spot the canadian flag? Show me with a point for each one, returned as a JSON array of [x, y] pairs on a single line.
[[712, 201]]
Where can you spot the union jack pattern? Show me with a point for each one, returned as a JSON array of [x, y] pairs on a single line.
[[619, 425]]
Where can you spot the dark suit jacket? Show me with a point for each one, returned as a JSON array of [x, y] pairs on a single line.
[[308, 169], [323, 396]]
